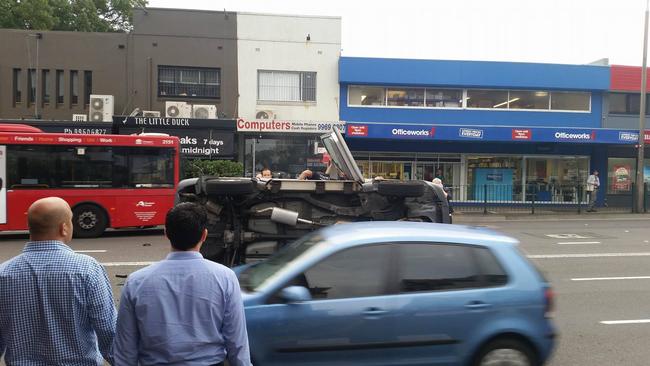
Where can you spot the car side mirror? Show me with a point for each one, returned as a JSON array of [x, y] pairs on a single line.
[[295, 294]]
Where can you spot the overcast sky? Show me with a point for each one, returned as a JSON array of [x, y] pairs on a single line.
[[552, 31]]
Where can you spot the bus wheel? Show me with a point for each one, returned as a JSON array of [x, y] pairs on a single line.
[[89, 221]]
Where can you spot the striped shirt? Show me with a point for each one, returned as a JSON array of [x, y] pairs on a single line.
[[56, 308]]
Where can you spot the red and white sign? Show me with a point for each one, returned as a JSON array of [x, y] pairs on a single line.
[[519, 134], [357, 130], [288, 126]]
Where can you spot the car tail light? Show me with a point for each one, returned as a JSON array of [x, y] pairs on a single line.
[[549, 301]]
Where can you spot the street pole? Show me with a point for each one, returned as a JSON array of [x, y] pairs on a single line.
[[641, 155]]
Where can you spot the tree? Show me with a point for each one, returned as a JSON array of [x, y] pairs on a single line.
[[69, 15]]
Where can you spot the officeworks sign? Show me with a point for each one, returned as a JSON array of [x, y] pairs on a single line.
[[575, 136], [407, 132]]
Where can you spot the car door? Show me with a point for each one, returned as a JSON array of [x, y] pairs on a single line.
[[441, 301], [347, 319]]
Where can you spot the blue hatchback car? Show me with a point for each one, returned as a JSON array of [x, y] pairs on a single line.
[[398, 293]]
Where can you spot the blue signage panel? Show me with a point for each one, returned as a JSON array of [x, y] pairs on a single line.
[[492, 134]]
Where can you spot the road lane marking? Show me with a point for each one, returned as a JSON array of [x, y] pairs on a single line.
[[118, 264], [577, 242], [568, 236], [588, 255], [611, 278], [617, 322], [91, 251]]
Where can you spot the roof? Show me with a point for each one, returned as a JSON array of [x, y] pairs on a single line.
[[402, 231]]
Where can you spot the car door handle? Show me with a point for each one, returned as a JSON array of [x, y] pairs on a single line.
[[477, 305], [370, 312]]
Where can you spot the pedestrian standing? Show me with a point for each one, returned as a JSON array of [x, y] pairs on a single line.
[[593, 183], [184, 310], [56, 306]]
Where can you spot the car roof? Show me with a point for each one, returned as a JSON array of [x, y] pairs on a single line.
[[347, 235]]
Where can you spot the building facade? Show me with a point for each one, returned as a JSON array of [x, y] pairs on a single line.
[[288, 89], [171, 55], [622, 110], [515, 128]]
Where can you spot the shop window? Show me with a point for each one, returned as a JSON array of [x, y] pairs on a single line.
[[190, 82], [444, 98], [285, 156], [74, 87], [45, 87], [286, 86], [495, 178], [477, 98], [405, 97], [60, 86], [571, 101], [367, 95], [520, 99], [555, 179], [18, 88]]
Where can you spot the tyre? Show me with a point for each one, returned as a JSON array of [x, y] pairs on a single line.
[[506, 352], [400, 189], [229, 187], [89, 221], [213, 250]]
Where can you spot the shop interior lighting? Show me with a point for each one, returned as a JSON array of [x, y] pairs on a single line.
[[506, 102]]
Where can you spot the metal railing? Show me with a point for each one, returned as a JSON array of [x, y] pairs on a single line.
[[533, 199]]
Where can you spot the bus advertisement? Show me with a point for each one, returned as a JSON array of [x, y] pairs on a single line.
[[111, 181]]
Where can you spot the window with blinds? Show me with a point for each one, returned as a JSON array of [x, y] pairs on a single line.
[[192, 82], [286, 86]]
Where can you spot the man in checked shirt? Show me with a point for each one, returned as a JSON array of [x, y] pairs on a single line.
[[56, 306]]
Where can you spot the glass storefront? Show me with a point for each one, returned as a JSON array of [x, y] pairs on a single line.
[[520, 178], [621, 174], [287, 156]]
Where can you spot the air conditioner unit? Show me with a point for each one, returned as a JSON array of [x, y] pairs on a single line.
[[101, 108], [150, 114], [266, 114], [178, 110], [204, 111], [79, 117]]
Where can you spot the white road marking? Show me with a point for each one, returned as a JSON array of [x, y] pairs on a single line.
[[119, 264], [568, 236], [588, 255], [91, 251], [577, 242], [617, 322], [611, 278]]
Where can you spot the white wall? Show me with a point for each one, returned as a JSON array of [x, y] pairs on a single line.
[[278, 42]]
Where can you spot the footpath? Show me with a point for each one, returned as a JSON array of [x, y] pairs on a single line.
[[473, 218]]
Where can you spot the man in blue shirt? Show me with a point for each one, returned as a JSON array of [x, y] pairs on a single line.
[[56, 306], [184, 310]]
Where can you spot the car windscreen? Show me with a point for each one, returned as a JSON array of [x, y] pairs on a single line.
[[254, 276]]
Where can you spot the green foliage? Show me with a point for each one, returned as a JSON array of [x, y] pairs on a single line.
[[219, 168], [69, 15]]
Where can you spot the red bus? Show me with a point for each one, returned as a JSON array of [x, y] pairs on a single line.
[[108, 180]]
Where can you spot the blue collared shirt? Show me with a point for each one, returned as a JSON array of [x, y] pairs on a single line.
[[56, 308], [184, 310]]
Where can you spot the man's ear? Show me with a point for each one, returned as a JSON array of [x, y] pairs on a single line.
[[204, 236]]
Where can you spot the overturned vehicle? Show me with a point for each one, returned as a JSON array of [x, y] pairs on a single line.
[[250, 218]]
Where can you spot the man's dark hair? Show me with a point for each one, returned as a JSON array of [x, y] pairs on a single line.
[[184, 225]]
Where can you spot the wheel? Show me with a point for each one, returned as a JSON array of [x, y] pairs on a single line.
[[89, 221], [506, 352], [228, 187], [213, 250], [400, 189]]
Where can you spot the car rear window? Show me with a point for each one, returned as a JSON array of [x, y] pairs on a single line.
[[492, 271]]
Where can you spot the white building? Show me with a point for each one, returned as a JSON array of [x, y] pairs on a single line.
[[288, 89]]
